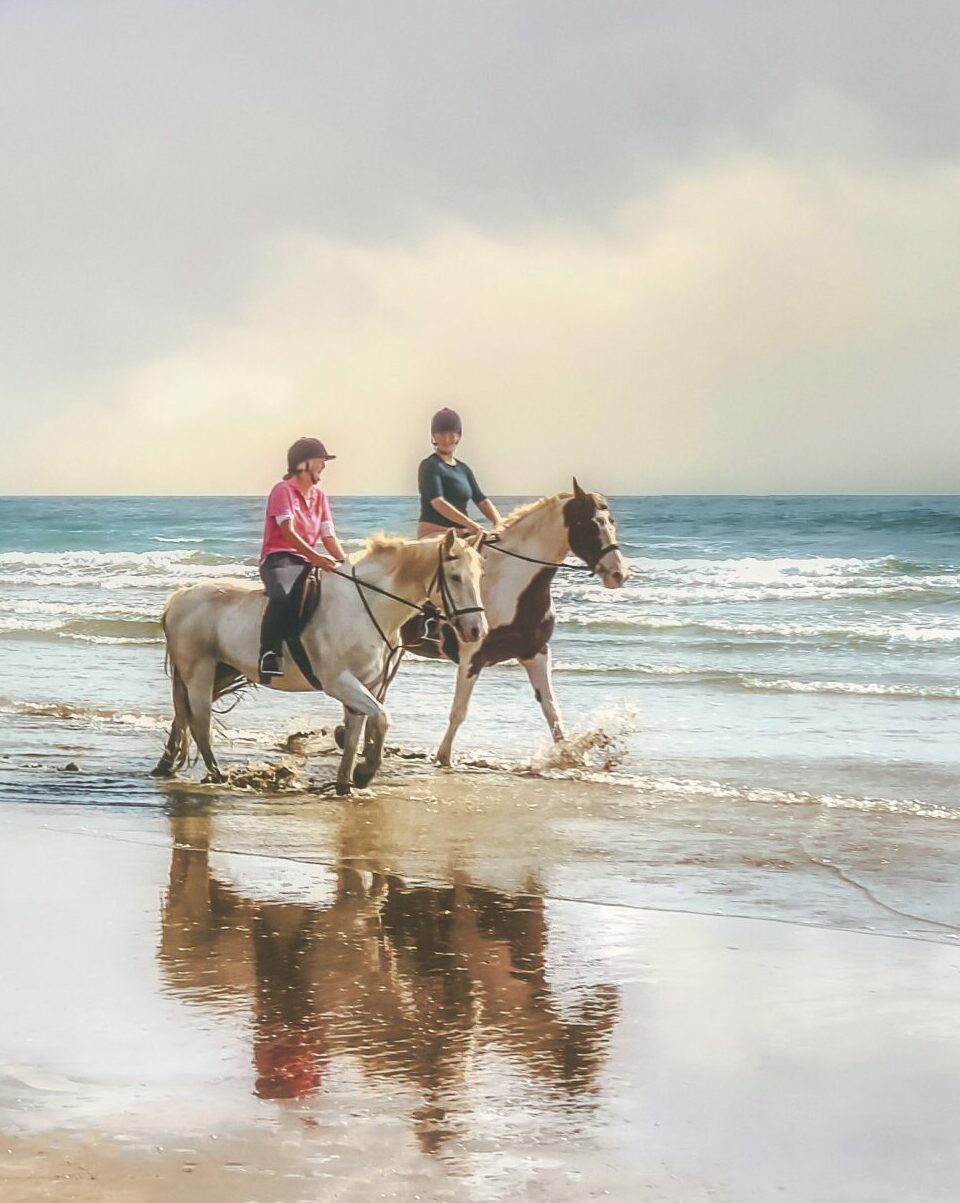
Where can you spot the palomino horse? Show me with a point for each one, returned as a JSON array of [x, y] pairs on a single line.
[[519, 565], [213, 636]]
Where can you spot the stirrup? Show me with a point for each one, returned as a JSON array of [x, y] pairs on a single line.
[[271, 665]]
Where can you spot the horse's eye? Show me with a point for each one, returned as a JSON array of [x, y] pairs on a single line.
[[456, 577]]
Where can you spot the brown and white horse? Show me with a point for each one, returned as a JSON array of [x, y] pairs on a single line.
[[213, 637], [518, 569]]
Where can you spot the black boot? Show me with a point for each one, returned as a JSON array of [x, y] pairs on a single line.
[[271, 665]]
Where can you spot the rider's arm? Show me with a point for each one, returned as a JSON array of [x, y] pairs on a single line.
[[489, 510], [328, 536], [303, 547], [481, 500], [442, 506], [332, 544]]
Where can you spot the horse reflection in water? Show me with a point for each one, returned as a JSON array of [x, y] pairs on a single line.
[[411, 982]]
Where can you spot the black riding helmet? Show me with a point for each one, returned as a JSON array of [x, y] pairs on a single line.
[[304, 449], [446, 421]]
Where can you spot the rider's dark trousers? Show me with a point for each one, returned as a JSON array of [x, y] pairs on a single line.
[[280, 573]]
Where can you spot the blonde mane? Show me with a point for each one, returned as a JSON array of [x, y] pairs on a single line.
[[381, 541], [529, 507]]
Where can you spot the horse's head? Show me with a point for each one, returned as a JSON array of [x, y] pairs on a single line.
[[593, 536], [458, 587]]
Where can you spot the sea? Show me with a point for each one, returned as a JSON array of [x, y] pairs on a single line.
[[800, 649]]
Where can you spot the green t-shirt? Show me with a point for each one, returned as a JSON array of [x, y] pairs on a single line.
[[455, 483]]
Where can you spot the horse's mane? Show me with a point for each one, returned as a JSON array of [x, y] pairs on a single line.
[[529, 507], [380, 541]]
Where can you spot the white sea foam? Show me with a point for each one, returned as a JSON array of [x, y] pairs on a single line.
[[858, 688], [896, 630]]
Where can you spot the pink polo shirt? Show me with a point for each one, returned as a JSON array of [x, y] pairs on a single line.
[[311, 517]]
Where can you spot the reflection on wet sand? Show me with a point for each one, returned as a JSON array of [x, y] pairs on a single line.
[[414, 983]]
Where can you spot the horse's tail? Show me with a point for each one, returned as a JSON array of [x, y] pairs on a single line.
[[180, 732], [167, 662], [178, 743]]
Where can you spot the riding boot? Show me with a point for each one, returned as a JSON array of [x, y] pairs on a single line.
[[272, 631]]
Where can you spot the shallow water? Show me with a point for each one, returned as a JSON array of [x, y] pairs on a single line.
[[809, 645]]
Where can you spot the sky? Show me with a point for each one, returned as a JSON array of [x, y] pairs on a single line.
[[667, 245]]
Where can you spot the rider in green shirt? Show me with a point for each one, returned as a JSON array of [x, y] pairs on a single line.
[[447, 485]]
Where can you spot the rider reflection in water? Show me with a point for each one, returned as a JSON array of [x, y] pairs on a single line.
[[298, 515], [447, 485], [289, 1044]]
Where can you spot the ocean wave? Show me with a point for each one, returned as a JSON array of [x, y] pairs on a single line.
[[867, 689], [178, 539], [29, 607], [92, 715], [84, 630], [118, 570], [99, 716], [753, 682], [894, 632], [671, 788]]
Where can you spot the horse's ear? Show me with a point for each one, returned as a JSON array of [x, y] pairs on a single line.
[[476, 541], [577, 491], [449, 540]]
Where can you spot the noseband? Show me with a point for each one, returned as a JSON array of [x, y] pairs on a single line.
[[448, 610]]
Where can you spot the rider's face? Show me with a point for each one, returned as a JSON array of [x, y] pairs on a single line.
[[446, 441], [315, 467]]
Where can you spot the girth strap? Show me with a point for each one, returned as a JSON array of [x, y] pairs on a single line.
[[302, 660]]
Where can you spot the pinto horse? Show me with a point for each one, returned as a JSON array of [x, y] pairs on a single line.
[[213, 638], [519, 564]]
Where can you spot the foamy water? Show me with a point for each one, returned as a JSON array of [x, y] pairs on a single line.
[[808, 647]]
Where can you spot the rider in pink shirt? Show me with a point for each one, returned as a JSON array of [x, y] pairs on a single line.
[[297, 518]]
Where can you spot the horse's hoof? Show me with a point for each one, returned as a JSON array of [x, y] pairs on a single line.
[[162, 769], [213, 779], [340, 735], [343, 789], [363, 776], [443, 758]]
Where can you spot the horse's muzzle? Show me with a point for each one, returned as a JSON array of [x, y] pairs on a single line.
[[612, 570], [471, 628]]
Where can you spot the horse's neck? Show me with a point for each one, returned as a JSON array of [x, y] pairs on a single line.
[[405, 570], [541, 533]]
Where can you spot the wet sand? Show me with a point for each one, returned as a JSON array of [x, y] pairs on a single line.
[[460, 987]]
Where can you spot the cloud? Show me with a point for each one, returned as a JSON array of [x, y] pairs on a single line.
[[751, 326], [709, 240]]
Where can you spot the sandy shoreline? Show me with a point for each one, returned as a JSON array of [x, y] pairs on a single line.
[[456, 989]]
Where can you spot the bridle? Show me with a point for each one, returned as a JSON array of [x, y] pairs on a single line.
[[430, 612]]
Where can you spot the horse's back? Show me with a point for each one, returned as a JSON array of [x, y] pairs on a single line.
[[202, 608]]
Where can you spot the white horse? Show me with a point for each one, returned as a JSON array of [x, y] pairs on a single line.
[[519, 564], [213, 638]]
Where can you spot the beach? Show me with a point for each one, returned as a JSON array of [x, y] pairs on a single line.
[[705, 950], [461, 987]]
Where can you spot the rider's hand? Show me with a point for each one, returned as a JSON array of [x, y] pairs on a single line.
[[326, 563]]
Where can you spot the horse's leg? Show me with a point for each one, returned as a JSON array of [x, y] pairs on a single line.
[[458, 711], [352, 731], [178, 741], [360, 705], [200, 698], [541, 678], [371, 759]]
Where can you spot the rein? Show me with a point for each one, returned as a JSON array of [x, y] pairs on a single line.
[[395, 651], [495, 546]]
